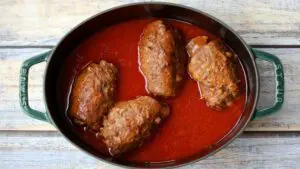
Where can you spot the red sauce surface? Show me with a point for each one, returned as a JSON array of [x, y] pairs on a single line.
[[191, 128]]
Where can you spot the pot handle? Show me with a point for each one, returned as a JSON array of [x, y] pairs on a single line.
[[279, 82], [23, 90]]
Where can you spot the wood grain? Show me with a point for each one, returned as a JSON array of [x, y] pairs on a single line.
[[287, 118], [27, 143], [48, 150], [39, 22], [11, 115], [12, 118]]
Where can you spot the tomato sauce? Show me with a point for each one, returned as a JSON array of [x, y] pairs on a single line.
[[191, 128]]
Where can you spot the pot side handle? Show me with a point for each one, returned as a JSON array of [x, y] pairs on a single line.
[[23, 90], [279, 83]]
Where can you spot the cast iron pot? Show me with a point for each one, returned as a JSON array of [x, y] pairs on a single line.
[[57, 56]]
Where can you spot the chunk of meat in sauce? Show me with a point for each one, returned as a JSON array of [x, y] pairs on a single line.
[[130, 123], [162, 58], [213, 66], [92, 94]]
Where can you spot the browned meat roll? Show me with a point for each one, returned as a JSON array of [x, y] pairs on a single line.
[[213, 66], [129, 123], [92, 94], [162, 59]]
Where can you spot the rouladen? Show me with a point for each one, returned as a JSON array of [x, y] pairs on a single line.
[[212, 65], [162, 58], [92, 94], [129, 123]]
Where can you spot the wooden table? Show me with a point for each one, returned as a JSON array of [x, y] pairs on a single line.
[[29, 27]]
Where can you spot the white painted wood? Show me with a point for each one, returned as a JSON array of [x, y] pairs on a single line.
[[287, 118], [39, 22], [49, 150], [11, 115], [27, 143], [12, 118]]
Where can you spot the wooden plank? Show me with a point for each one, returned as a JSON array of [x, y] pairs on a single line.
[[48, 150], [39, 22], [11, 115], [286, 119], [12, 118]]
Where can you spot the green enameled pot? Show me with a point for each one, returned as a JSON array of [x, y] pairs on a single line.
[[56, 57]]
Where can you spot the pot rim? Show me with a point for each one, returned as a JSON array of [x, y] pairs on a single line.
[[167, 4]]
